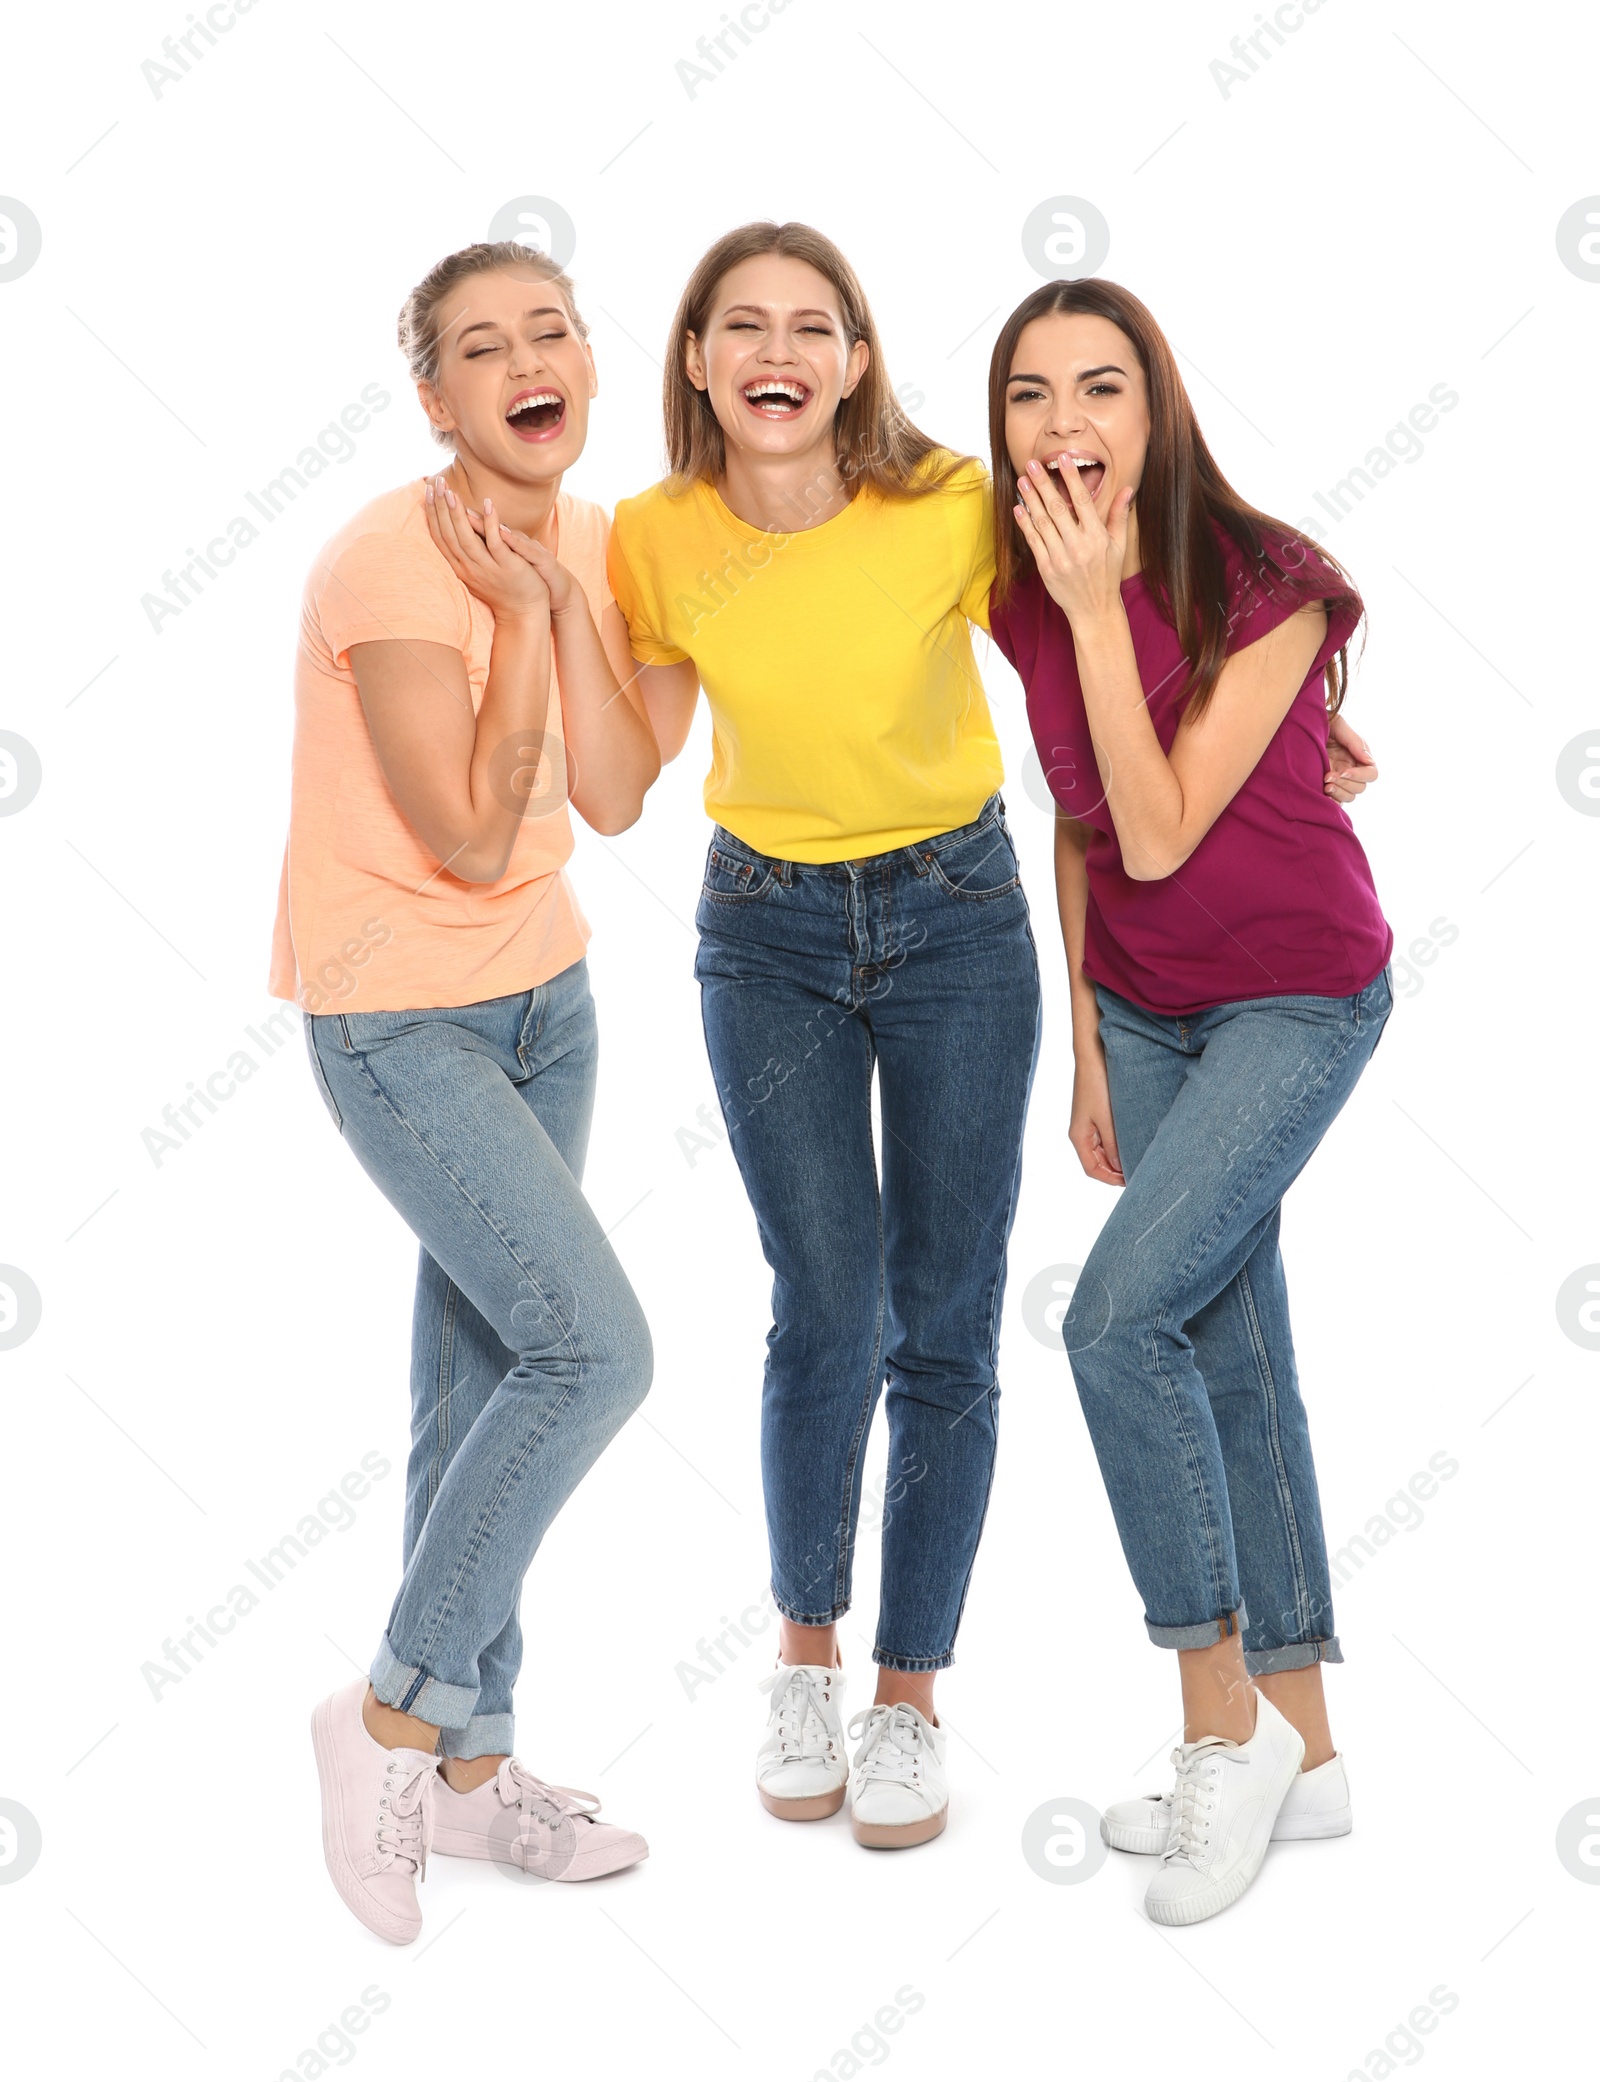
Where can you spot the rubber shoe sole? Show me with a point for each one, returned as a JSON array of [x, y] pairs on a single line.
[[899, 1836], [815, 1807]]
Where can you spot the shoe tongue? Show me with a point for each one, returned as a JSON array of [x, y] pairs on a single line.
[[516, 1780], [415, 1760], [1207, 1743]]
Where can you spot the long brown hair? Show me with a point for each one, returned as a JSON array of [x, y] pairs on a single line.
[[875, 443], [1181, 493]]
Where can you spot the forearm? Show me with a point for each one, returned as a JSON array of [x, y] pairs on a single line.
[[1143, 793], [610, 745], [507, 742], [1072, 902]]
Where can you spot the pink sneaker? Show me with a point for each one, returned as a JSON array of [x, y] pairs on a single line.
[[377, 1816], [528, 1827]]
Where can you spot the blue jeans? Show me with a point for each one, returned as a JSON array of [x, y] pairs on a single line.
[[1178, 1330], [921, 962], [528, 1347]]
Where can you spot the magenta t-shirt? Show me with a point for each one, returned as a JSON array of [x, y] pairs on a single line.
[[1277, 898]]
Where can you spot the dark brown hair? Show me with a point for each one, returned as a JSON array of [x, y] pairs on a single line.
[[1181, 493], [875, 443]]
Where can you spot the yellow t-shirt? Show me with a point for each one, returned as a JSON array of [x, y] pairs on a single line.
[[847, 713]]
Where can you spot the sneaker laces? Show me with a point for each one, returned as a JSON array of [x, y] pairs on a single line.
[[547, 1815], [518, 1787], [1193, 1797], [802, 1705], [405, 1814], [894, 1742]]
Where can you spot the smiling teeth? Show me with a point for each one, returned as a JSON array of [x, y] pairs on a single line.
[[792, 391], [538, 397], [1078, 462]]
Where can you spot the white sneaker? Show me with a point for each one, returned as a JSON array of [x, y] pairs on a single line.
[[801, 1768], [899, 1793], [1317, 1804], [1224, 1804]]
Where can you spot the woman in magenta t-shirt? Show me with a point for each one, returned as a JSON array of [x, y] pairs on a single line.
[[1229, 981]]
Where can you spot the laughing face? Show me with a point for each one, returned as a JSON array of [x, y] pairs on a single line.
[[1076, 400], [515, 380], [775, 359]]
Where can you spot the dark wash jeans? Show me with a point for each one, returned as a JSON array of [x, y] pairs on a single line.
[[1178, 1329], [919, 962]]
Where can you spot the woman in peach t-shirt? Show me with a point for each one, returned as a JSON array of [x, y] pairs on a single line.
[[427, 929]]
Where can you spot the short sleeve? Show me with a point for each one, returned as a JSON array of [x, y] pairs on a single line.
[[644, 638], [1260, 600], [384, 587], [978, 546]]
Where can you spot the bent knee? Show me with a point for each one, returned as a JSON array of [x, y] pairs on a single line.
[[632, 1350], [637, 1365], [1106, 1333]]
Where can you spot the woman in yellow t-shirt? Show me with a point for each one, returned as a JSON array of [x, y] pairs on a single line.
[[814, 562]]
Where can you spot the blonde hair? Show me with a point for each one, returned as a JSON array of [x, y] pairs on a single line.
[[420, 328], [875, 443]]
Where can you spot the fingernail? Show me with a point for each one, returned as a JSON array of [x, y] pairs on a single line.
[[488, 505]]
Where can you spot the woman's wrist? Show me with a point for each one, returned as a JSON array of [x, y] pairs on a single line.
[[1086, 1042], [524, 622], [1103, 629]]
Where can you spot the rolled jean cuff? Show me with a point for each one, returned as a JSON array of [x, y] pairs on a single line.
[[1206, 1633], [485, 1735], [810, 1619], [410, 1690], [886, 1659], [1294, 1655]]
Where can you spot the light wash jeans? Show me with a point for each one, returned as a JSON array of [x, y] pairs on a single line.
[[920, 964], [1178, 1330], [528, 1349]]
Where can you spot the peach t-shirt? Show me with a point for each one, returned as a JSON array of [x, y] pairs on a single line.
[[367, 920]]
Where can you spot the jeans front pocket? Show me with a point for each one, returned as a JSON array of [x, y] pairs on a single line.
[[736, 878], [978, 865]]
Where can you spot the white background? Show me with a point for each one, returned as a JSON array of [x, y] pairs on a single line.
[[224, 1334]]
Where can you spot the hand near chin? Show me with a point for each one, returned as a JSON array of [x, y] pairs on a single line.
[[559, 581], [1080, 557], [510, 586]]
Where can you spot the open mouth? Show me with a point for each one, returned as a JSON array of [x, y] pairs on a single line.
[[1091, 470], [537, 414], [776, 397]]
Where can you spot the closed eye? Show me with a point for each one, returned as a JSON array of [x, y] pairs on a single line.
[[474, 353], [749, 325]]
